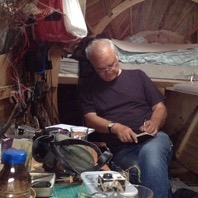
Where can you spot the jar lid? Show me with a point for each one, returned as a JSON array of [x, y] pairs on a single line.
[[14, 156]]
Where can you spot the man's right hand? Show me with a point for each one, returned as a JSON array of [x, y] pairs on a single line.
[[124, 133]]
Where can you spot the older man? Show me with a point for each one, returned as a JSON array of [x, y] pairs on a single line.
[[120, 104]]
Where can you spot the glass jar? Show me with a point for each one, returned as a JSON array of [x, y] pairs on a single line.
[[15, 180]]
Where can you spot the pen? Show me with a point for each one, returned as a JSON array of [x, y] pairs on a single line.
[[144, 124]]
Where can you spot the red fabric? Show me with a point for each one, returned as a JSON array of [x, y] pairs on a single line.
[[52, 31]]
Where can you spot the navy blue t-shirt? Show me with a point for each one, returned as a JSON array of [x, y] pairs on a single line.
[[127, 100]]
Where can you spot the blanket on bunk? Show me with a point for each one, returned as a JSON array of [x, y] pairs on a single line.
[[158, 54]]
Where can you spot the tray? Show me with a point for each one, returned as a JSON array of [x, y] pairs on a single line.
[[43, 191]]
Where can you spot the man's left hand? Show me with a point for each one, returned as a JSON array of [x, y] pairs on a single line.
[[150, 127]]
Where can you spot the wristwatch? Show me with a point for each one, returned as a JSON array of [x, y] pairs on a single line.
[[110, 125]]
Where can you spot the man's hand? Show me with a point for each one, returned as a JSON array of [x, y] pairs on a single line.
[[150, 127], [124, 133]]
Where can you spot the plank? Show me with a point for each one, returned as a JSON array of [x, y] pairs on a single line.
[[5, 92]]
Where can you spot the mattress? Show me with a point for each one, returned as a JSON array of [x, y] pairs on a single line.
[[69, 71], [158, 61]]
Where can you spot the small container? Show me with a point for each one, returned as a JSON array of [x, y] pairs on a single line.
[[79, 132], [39, 178], [15, 180]]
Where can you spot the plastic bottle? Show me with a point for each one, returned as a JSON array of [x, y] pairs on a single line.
[[15, 180]]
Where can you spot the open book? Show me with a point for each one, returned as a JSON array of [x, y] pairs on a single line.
[[144, 136]]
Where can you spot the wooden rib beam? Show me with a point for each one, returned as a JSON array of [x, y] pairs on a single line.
[[115, 12], [131, 26]]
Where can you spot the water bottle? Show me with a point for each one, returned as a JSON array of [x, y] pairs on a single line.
[[15, 180]]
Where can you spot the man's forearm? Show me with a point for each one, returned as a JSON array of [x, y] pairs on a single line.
[[98, 123], [159, 115], [122, 132]]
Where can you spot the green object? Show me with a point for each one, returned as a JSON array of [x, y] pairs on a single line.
[[66, 191]]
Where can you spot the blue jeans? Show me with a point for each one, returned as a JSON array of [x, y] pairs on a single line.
[[148, 163]]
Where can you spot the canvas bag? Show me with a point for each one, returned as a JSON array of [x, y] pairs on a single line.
[[64, 155], [74, 20]]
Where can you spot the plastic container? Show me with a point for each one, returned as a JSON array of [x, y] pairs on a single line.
[[39, 178], [15, 180], [91, 187]]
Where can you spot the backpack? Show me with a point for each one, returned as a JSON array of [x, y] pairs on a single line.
[[66, 156]]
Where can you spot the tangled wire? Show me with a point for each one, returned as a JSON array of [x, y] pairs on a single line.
[[12, 13]]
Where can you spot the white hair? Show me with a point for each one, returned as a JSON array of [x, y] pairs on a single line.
[[98, 45]]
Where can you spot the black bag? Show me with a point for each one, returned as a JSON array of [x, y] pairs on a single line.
[[185, 193], [66, 156]]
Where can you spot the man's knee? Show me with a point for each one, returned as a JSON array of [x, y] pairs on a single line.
[[160, 145]]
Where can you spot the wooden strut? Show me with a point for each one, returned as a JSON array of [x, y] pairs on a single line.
[[51, 101]]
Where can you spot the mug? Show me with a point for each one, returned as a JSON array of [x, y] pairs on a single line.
[[79, 132]]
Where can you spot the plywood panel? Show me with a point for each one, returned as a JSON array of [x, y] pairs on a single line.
[[5, 110], [180, 106], [187, 150]]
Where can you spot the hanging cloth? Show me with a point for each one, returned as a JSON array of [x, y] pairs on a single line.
[[50, 25], [74, 20]]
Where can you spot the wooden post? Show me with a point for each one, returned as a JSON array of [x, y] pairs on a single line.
[[51, 103]]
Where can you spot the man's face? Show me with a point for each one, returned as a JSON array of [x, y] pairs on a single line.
[[106, 66]]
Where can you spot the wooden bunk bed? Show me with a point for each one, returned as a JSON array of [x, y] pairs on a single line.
[[180, 84]]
